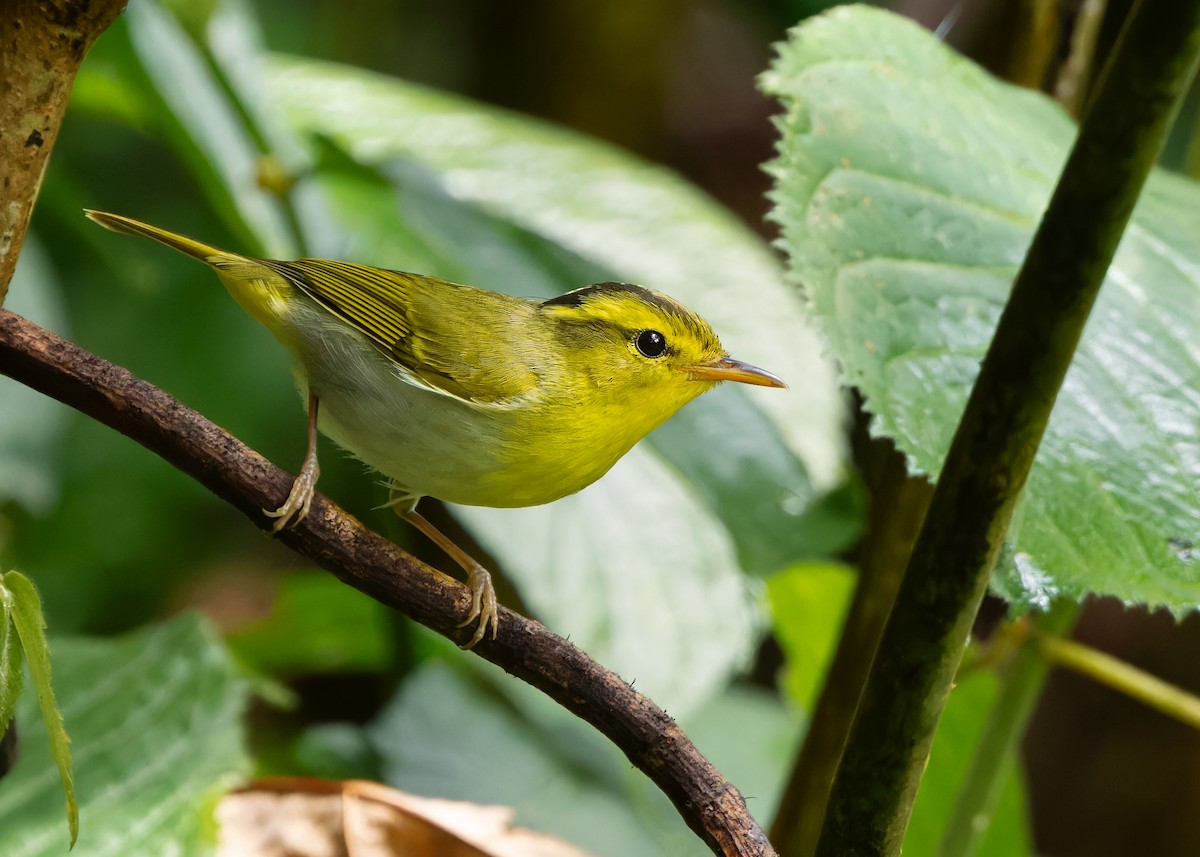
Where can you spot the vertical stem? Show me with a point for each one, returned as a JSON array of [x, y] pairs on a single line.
[[1072, 85], [898, 504], [1019, 690], [1006, 415], [1037, 40]]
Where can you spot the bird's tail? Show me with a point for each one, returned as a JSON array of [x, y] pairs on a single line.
[[190, 246], [254, 284]]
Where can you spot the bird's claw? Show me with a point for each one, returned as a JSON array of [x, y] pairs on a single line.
[[483, 606], [298, 502]]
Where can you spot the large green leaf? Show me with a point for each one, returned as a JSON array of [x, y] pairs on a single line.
[[156, 724], [909, 186], [425, 181], [204, 123], [647, 561], [635, 220]]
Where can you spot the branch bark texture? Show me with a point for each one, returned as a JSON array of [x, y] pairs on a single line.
[[42, 43], [710, 805], [994, 446]]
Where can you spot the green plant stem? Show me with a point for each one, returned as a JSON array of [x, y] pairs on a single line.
[[1072, 85], [1039, 23], [1006, 415], [1019, 689], [898, 504], [1121, 676]]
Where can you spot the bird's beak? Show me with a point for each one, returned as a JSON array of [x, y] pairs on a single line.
[[727, 369]]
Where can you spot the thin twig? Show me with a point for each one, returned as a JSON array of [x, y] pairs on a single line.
[[331, 538], [1123, 677]]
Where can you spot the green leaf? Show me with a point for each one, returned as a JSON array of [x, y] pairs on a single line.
[[628, 568], [156, 722], [317, 624], [909, 186], [808, 607], [11, 672], [30, 625], [634, 220], [31, 425], [206, 125]]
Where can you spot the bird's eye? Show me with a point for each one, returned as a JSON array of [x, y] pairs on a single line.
[[651, 343]]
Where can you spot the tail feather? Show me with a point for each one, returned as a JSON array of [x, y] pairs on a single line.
[[196, 249], [262, 292]]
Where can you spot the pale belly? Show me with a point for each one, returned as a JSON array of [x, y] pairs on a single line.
[[441, 449]]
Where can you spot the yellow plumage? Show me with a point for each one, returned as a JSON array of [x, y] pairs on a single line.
[[469, 395]]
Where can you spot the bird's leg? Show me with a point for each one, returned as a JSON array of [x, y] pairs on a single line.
[[300, 497], [483, 595]]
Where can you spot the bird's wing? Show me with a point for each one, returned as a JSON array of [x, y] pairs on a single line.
[[425, 325]]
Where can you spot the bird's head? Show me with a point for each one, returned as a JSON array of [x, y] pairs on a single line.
[[637, 350]]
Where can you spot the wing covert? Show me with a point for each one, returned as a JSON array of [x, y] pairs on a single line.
[[410, 319]]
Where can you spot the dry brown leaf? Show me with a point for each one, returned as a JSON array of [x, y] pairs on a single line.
[[299, 817]]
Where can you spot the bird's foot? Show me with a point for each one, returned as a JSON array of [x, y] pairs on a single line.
[[483, 605], [299, 499]]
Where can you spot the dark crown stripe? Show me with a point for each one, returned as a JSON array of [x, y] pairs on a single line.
[[579, 297]]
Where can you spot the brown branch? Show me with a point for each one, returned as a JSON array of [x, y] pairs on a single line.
[[331, 538], [42, 43]]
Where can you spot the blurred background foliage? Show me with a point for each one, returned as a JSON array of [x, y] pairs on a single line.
[[183, 116]]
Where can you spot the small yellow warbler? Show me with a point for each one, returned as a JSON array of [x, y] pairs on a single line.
[[468, 395]]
